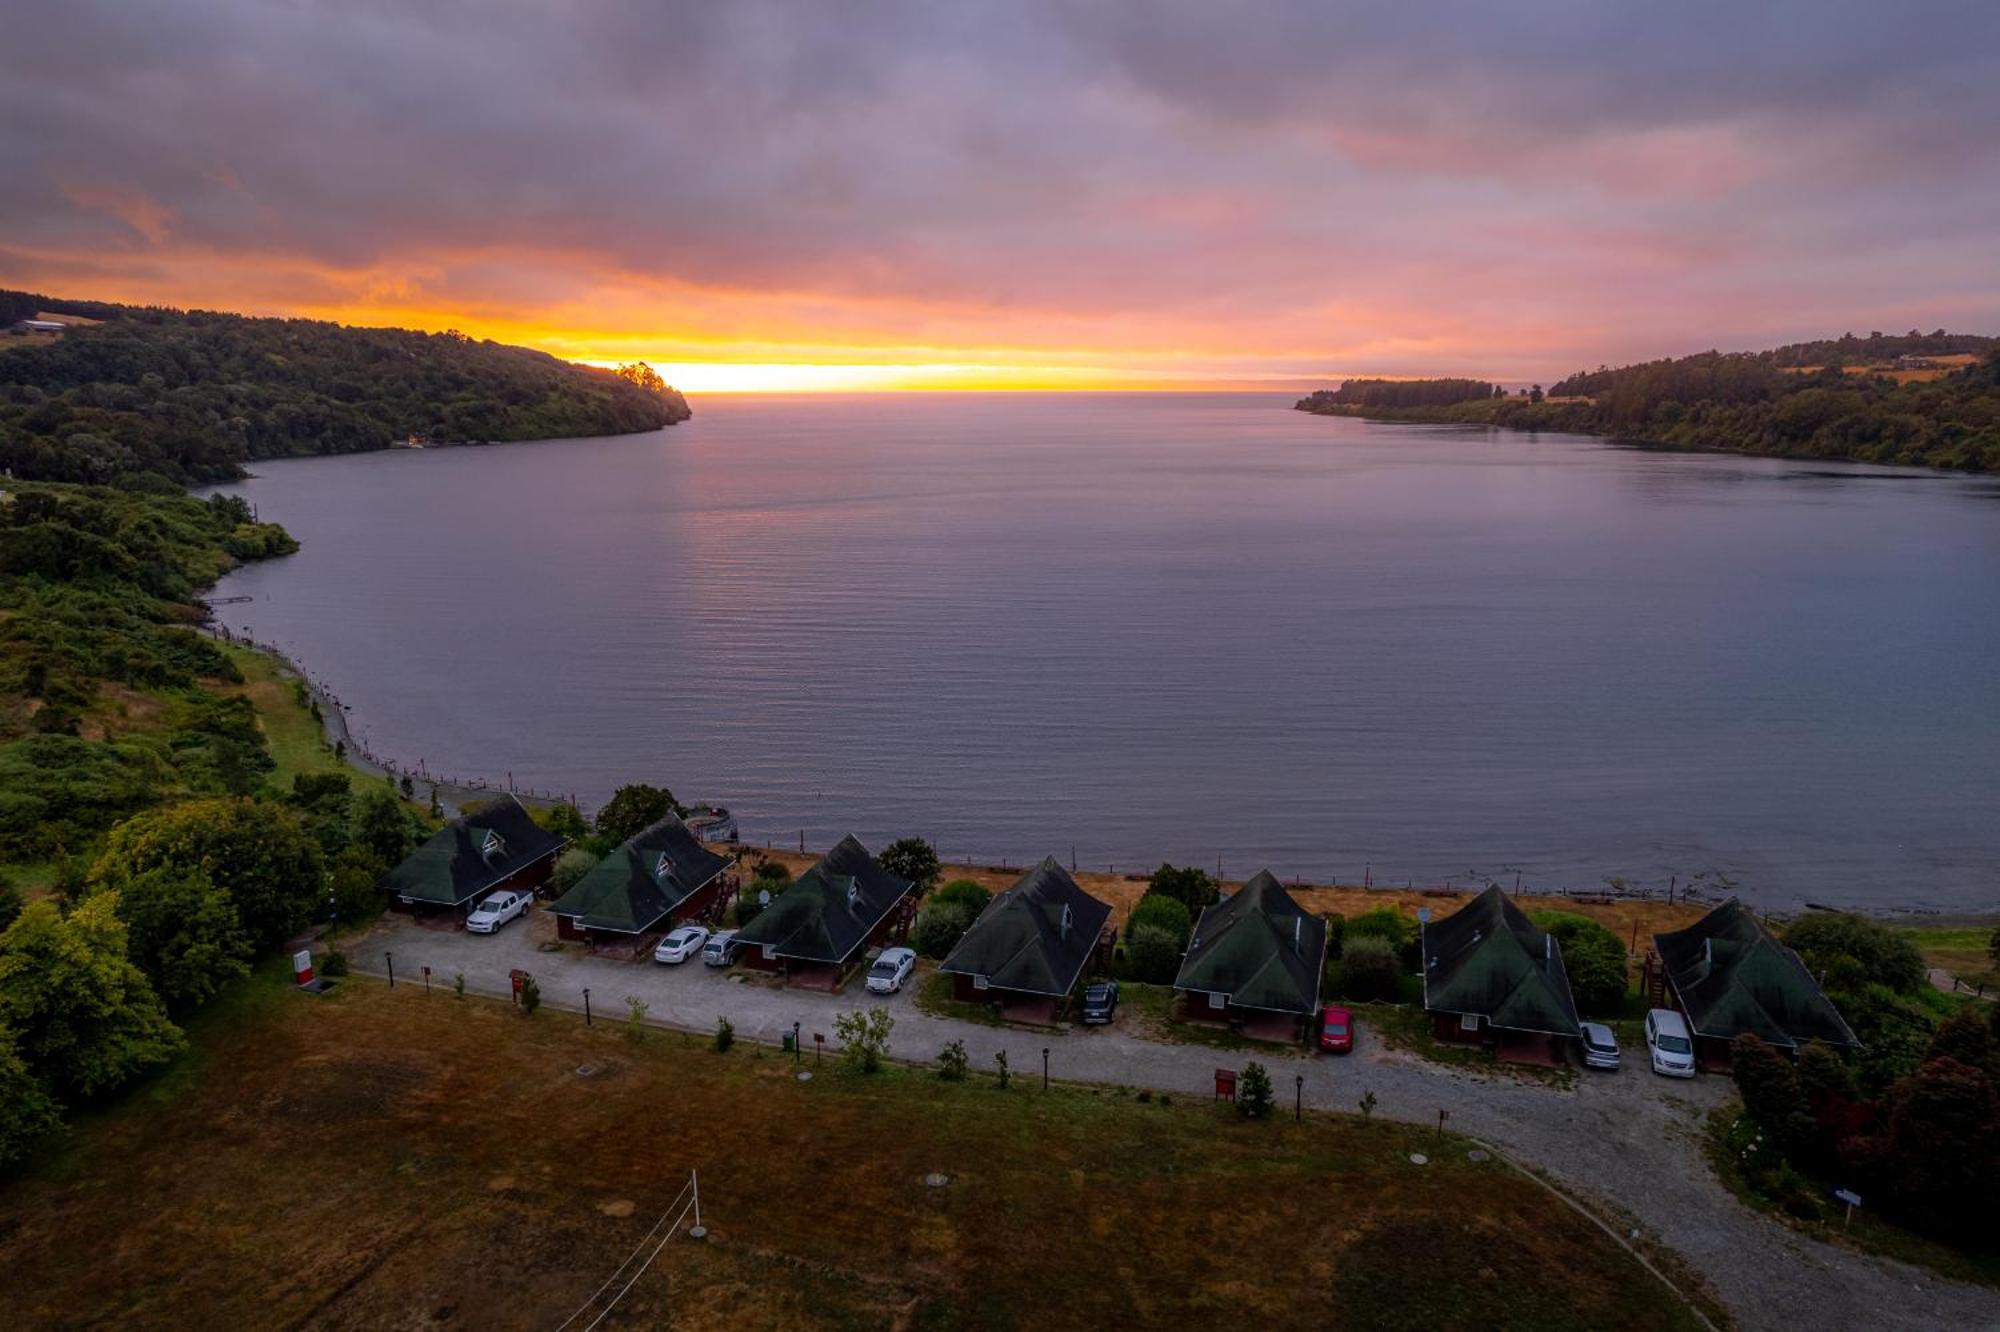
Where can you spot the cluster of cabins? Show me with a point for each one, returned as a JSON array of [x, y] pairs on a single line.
[[1255, 960]]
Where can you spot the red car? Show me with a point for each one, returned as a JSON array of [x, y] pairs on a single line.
[[1336, 1030]]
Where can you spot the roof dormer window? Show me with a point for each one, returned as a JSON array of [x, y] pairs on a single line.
[[493, 846]]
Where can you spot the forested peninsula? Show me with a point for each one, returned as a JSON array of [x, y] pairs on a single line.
[[191, 395], [1923, 399]]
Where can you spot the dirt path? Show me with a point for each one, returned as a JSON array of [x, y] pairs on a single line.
[[1629, 1143]]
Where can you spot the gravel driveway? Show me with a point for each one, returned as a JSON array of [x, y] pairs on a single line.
[[1628, 1139]]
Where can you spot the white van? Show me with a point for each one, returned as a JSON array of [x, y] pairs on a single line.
[[1670, 1043]]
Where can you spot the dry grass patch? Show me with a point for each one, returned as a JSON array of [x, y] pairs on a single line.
[[385, 1158]]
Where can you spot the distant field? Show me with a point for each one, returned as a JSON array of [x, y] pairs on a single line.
[[389, 1159], [1940, 367], [1961, 951], [295, 737]]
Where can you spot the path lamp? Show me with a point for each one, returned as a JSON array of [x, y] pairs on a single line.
[[1298, 1097], [427, 978], [797, 1054], [1442, 1116], [1045, 1068], [586, 1006], [390, 958]]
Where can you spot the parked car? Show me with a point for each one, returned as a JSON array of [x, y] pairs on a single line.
[[1100, 1002], [1670, 1044], [497, 910], [1336, 1030], [891, 969], [680, 944], [1600, 1047], [721, 949]]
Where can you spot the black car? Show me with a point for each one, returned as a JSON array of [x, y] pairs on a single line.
[[1100, 1002]]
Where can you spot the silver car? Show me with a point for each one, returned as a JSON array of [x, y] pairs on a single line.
[[1600, 1047]]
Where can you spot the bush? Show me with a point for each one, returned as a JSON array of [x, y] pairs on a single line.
[[968, 891], [911, 858], [27, 1112], [1594, 959], [952, 1062], [1193, 888], [562, 819], [864, 1038], [772, 874], [1000, 1064], [183, 932], [725, 1035], [1152, 954], [1772, 1095], [334, 965], [354, 889], [571, 866], [255, 851], [939, 927], [1853, 952], [1386, 923], [635, 1018], [1253, 1092], [531, 995], [1370, 968], [1166, 913]]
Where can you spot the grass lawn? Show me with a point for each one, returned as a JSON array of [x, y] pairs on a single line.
[[386, 1158], [295, 738], [1961, 951]]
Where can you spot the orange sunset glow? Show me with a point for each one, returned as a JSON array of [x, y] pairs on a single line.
[[760, 199]]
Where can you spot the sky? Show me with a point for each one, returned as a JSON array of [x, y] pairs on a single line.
[[1019, 194]]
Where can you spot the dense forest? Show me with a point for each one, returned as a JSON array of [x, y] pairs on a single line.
[[1754, 402], [1406, 392], [192, 395]]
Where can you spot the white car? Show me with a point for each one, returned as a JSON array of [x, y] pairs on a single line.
[[497, 910], [891, 969], [1600, 1046], [1669, 1043], [681, 944], [720, 950]]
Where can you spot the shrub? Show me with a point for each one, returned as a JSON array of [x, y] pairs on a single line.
[[911, 858], [1000, 1062], [27, 1112], [458, 985], [1772, 1094], [1854, 951], [1384, 922], [1253, 1092], [939, 927], [571, 865], [968, 891], [1152, 955], [1370, 968], [562, 819], [1188, 885], [254, 850], [772, 873], [725, 1035], [1592, 956], [635, 1018], [952, 1062], [1336, 933], [334, 965], [531, 995], [1367, 1104], [864, 1038], [1162, 912], [183, 932], [354, 889]]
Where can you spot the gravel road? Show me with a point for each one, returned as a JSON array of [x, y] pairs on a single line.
[[1630, 1142]]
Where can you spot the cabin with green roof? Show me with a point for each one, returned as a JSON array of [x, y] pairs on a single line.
[[1030, 946], [823, 924], [497, 846], [1255, 959], [1730, 977], [653, 881], [1492, 976]]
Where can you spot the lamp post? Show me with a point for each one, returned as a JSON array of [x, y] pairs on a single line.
[[1298, 1097], [586, 1006], [1045, 1068], [427, 978], [797, 1054], [390, 958]]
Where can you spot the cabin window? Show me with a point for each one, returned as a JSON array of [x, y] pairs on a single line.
[[1065, 920], [1468, 1022], [979, 982], [1218, 1000], [493, 847], [770, 952]]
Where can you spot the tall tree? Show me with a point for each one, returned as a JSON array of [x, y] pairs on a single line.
[[254, 850], [86, 1020], [184, 933]]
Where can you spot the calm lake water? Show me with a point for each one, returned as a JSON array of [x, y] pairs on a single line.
[[1185, 626]]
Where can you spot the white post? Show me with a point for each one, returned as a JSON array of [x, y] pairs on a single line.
[[697, 1233]]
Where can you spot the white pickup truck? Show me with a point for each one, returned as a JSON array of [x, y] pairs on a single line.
[[497, 910]]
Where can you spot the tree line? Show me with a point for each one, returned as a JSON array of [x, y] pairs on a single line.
[[1747, 402], [1403, 393], [191, 395]]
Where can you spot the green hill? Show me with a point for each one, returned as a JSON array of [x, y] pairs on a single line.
[[1909, 399], [191, 395]]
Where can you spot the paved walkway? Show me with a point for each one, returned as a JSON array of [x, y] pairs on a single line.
[[1628, 1142]]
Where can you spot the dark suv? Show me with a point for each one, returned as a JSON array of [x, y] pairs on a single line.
[[1100, 1002]]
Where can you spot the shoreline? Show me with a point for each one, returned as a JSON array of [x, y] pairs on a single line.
[[1619, 909]]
